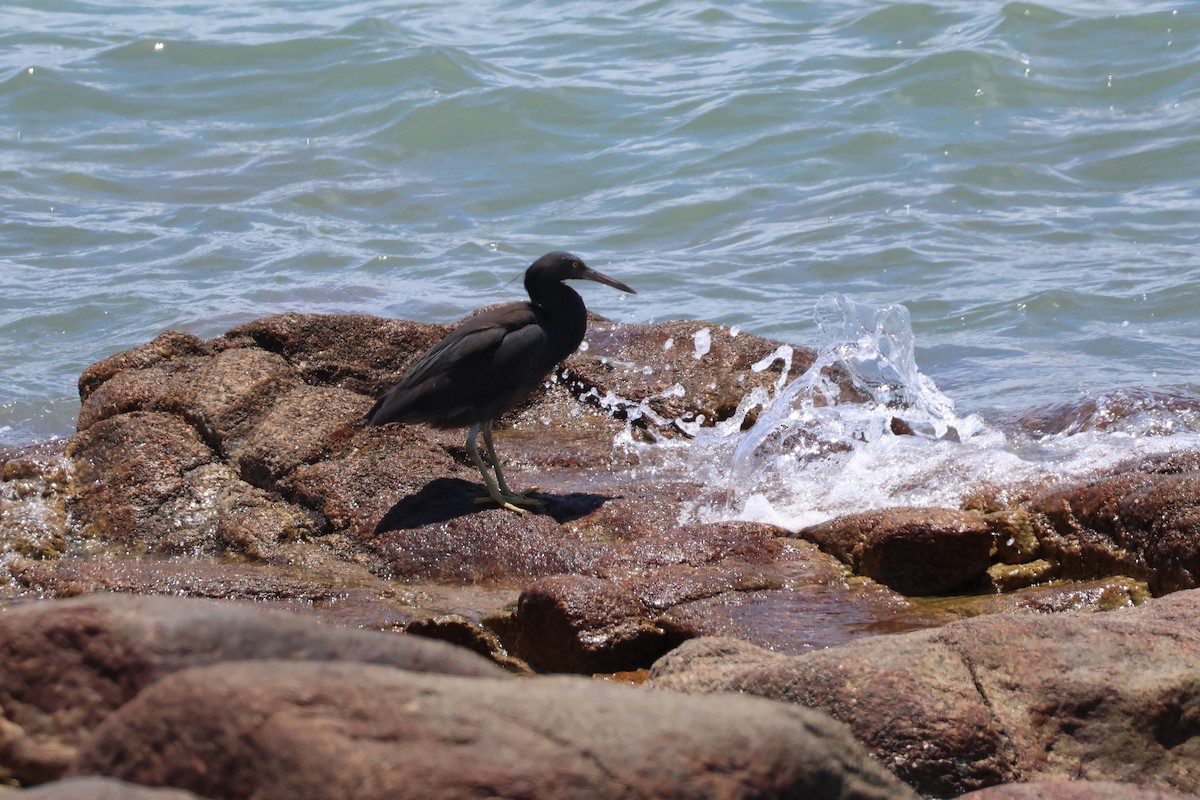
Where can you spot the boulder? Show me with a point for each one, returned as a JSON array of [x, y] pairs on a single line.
[[308, 730], [1142, 520], [667, 375], [69, 663], [996, 699], [574, 623], [1074, 790], [912, 550], [93, 788], [243, 442]]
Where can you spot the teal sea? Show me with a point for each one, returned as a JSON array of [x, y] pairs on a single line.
[[1024, 178]]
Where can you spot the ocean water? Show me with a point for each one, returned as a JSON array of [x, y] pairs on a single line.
[[1022, 178]]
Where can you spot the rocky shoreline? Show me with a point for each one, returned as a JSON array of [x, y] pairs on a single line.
[[184, 578]]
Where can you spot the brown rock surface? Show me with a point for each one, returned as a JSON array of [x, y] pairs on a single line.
[[92, 788], [1074, 790], [912, 550], [251, 445], [70, 663], [246, 453], [1143, 520], [294, 730], [238, 468], [574, 623], [244, 442], [997, 699], [664, 372]]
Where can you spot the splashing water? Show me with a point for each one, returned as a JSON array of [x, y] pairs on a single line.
[[863, 385], [863, 428]]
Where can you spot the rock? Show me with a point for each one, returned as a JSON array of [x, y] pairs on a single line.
[[304, 425], [649, 594], [70, 663], [1143, 520], [1053, 597], [1073, 790], [483, 545], [92, 788], [679, 371], [311, 582], [296, 730], [250, 447], [355, 352], [693, 546], [912, 550], [148, 480], [997, 699], [34, 483], [573, 623]]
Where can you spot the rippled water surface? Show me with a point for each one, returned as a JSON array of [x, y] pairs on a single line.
[[1022, 177]]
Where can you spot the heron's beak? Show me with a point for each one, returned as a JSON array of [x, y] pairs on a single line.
[[590, 274]]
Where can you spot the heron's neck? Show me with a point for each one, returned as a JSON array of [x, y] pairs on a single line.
[[559, 301], [562, 306]]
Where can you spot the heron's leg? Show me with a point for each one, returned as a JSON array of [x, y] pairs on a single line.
[[505, 499], [488, 481], [491, 450]]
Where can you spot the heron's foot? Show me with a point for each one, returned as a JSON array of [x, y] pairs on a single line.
[[512, 500]]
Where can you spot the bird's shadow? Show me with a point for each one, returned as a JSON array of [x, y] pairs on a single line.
[[444, 499]]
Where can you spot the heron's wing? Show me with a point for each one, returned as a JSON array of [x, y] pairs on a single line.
[[479, 370]]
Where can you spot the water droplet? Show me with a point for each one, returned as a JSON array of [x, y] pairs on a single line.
[[702, 339]]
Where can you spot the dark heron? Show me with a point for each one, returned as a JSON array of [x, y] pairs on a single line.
[[493, 361]]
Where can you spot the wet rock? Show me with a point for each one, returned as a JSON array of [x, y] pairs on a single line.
[[239, 443], [1074, 790], [148, 480], [693, 546], [1144, 412], [250, 447], [168, 346], [309, 581], [1143, 520], [128, 466], [377, 481], [476, 636], [797, 620], [68, 664], [912, 550], [483, 545], [93, 788], [740, 579], [355, 352], [997, 699], [689, 371], [34, 483], [1052, 597], [217, 394], [573, 623], [624, 509], [294, 730], [1010, 577], [304, 425]]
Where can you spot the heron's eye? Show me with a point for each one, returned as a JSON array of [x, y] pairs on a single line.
[[575, 265]]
